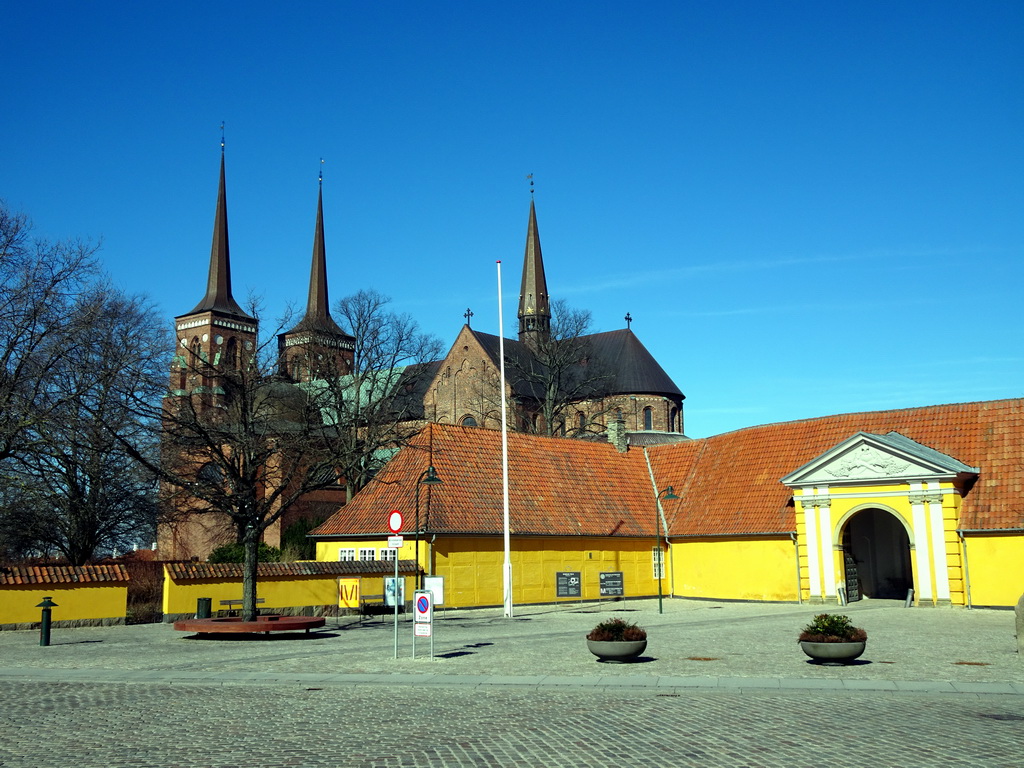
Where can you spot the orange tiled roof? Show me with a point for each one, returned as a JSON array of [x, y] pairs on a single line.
[[61, 574], [188, 571], [730, 483], [555, 486]]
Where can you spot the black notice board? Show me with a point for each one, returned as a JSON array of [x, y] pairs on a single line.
[[568, 584], [611, 584]]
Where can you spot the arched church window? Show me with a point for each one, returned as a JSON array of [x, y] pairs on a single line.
[[195, 348], [673, 415], [231, 353], [581, 420], [648, 418], [468, 421]]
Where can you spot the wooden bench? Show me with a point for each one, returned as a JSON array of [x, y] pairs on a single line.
[[371, 605], [234, 607]]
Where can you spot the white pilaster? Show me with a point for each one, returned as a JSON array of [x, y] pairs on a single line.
[[811, 528], [922, 548]]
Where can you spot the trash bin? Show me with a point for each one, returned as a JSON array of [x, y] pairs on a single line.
[[204, 607]]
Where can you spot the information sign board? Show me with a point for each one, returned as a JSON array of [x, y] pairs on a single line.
[[395, 542], [392, 584], [435, 584], [423, 630], [568, 584], [611, 584]]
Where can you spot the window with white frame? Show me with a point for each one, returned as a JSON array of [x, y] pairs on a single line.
[[389, 554], [658, 561], [367, 553], [345, 555]]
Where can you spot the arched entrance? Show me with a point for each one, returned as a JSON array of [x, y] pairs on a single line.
[[876, 550]]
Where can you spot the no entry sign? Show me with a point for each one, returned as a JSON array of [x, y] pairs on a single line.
[[395, 521]]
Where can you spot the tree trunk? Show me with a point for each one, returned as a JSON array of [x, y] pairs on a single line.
[[252, 545]]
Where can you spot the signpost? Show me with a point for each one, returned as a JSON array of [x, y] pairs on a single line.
[[611, 584], [423, 618], [395, 526], [568, 584]]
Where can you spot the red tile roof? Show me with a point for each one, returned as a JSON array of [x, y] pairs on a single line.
[[556, 485], [61, 574], [188, 571], [728, 484]]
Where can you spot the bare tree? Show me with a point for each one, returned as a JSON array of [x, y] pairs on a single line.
[[380, 404], [65, 338], [77, 489], [553, 375], [40, 282]]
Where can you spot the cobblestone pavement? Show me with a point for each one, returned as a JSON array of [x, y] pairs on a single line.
[[721, 684], [44, 725]]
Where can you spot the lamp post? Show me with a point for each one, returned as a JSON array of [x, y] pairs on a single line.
[[664, 494], [427, 477]]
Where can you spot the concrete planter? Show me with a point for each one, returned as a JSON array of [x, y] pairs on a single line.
[[833, 654], [616, 650]]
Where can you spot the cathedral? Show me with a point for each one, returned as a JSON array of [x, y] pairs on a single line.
[[568, 383]]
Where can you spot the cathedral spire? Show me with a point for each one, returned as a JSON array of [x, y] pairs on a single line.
[[316, 346], [534, 309], [318, 313], [218, 296]]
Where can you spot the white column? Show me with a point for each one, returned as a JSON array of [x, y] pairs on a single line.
[[921, 550], [941, 569]]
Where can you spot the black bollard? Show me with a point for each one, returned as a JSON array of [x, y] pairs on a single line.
[[44, 627]]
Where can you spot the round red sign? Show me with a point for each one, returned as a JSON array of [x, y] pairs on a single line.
[[395, 521]]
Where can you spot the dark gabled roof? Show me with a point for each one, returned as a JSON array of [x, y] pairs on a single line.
[[632, 368]]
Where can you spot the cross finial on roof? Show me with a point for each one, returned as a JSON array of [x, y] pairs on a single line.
[[530, 177], [222, 137], [321, 172], [629, 319], [468, 314]]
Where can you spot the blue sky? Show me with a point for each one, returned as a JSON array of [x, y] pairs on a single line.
[[807, 207]]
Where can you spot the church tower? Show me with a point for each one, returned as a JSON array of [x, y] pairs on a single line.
[[217, 335], [534, 308], [316, 347]]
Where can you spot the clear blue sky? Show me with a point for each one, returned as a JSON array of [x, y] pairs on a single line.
[[807, 207]]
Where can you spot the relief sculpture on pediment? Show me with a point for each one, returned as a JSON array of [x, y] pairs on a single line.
[[866, 461]]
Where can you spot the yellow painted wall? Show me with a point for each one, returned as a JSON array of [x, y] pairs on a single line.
[[74, 602], [996, 564], [472, 567], [734, 569], [291, 592]]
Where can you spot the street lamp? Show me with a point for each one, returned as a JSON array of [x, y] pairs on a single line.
[[427, 477], [664, 494]]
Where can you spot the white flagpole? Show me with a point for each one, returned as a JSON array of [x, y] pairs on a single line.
[[506, 581]]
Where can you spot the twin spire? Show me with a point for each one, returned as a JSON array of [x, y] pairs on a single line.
[[218, 296]]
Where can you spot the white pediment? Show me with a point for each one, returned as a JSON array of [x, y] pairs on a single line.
[[866, 458]]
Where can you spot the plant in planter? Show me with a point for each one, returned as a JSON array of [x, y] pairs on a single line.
[[617, 640], [831, 639]]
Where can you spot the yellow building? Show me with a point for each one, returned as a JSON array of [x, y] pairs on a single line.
[[922, 502]]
